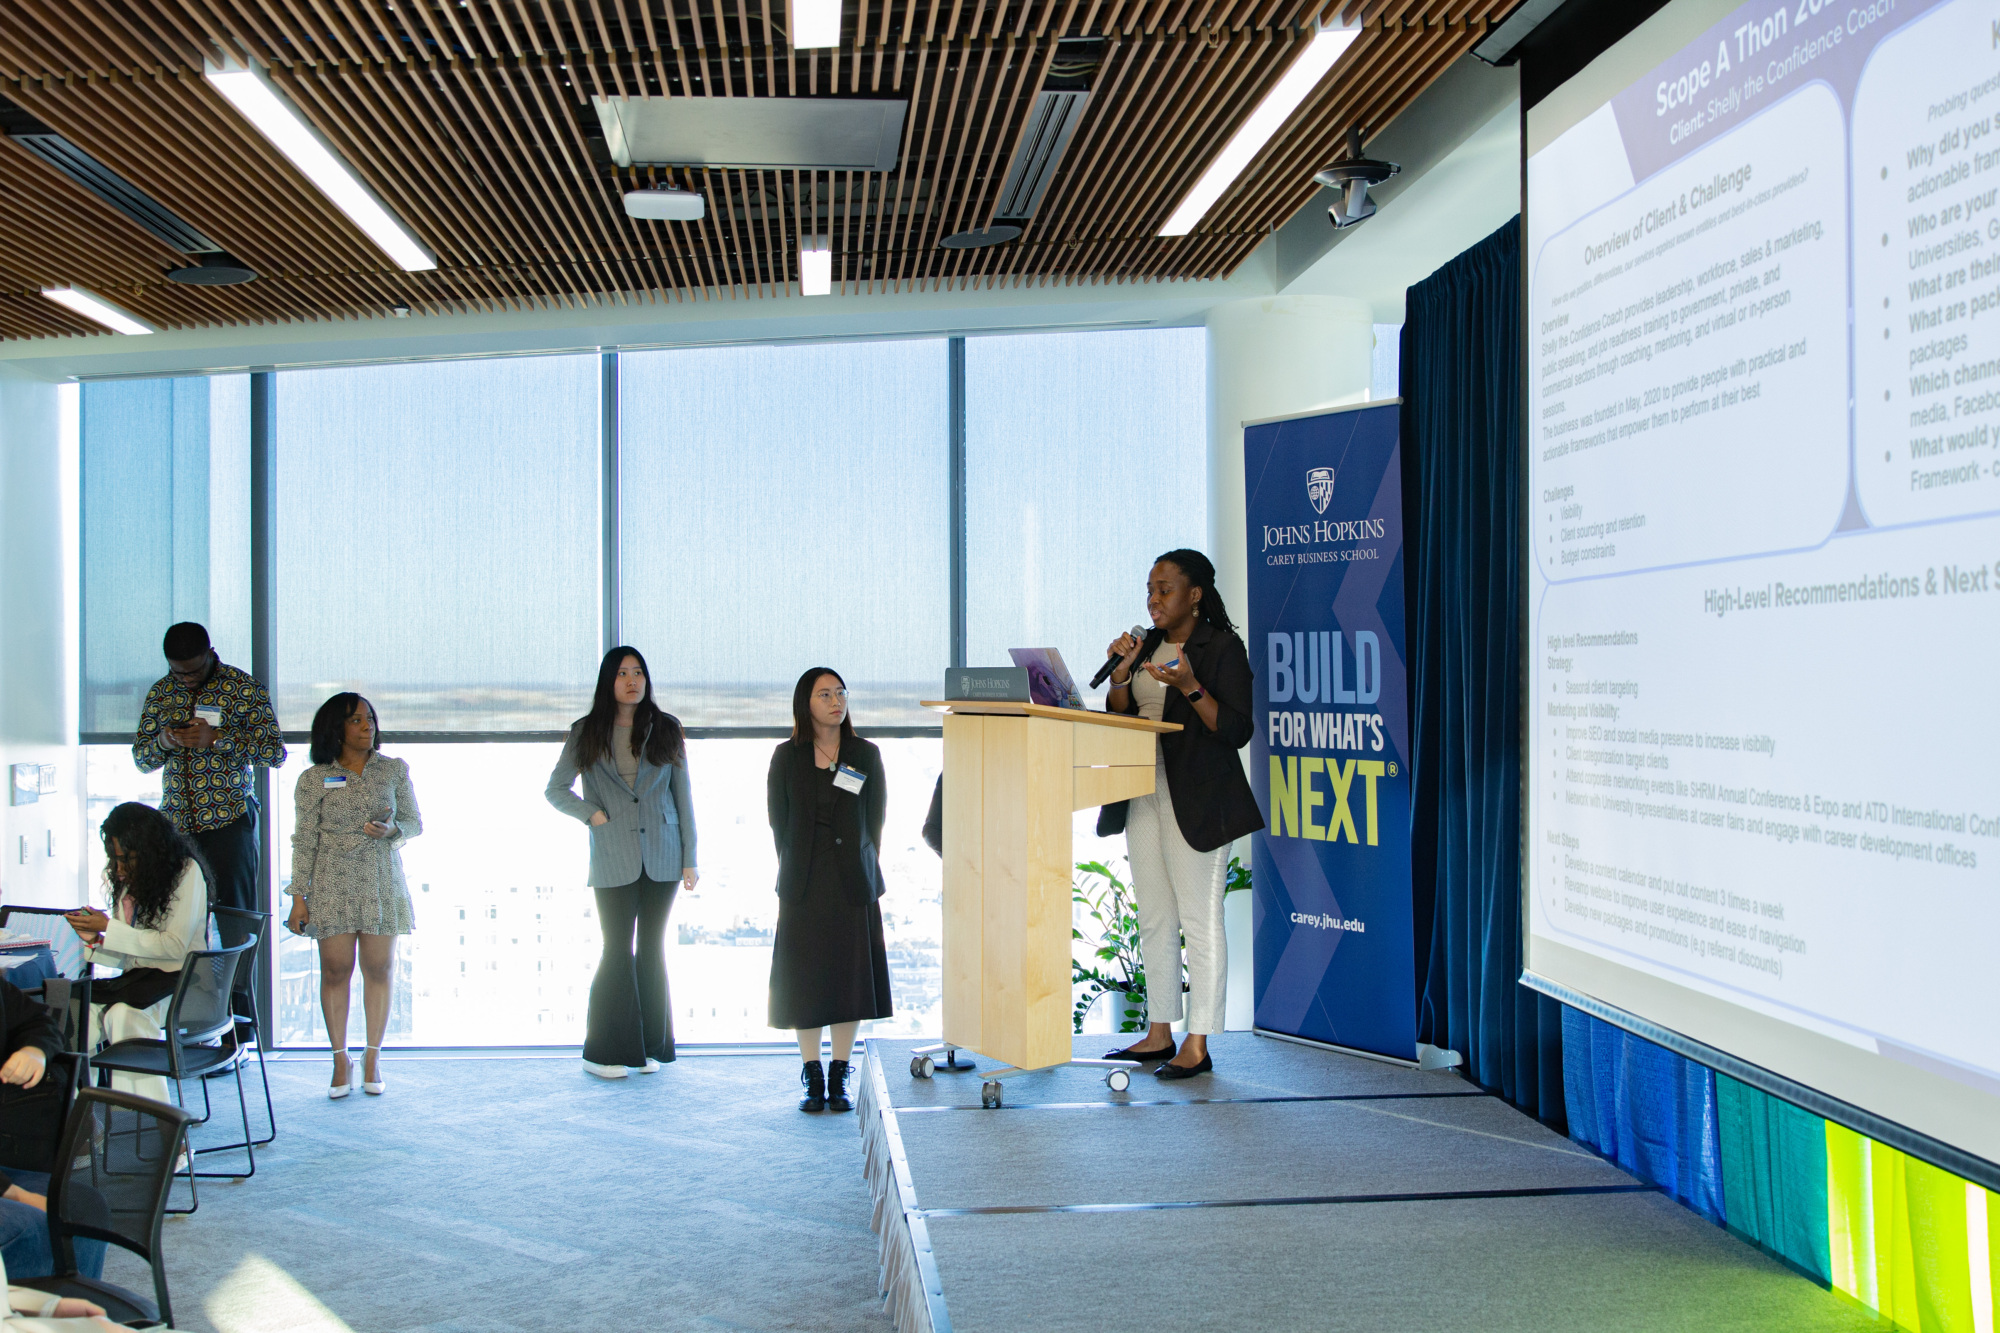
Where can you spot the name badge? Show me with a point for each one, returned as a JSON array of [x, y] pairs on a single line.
[[212, 716], [337, 780], [849, 779]]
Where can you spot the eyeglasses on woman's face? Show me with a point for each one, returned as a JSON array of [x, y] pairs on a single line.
[[829, 696]]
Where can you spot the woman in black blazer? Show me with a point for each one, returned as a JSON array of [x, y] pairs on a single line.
[[829, 966], [1191, 668]]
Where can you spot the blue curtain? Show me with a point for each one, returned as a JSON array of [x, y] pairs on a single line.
[[1461, 372], [1774, 1175], [1647, 1109]]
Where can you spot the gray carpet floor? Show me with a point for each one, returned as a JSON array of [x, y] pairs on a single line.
[[490, 1196], [1149, 1154], [498, 1196], [1618, 1263], [1584, 1262]]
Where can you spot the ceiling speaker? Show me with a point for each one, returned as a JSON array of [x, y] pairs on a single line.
[[214, 269], [998, 234]]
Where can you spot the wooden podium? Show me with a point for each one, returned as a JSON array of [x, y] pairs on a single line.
[[1013, 775]]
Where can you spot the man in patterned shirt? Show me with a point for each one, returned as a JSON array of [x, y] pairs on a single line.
[[206, 724]]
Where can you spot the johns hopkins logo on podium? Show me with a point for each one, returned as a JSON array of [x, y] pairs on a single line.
[[1319, 488]]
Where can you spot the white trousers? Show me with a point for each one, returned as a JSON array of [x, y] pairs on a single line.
[[121, 1022], [1180, 893]]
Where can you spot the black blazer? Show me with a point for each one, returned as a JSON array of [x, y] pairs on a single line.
[[857, 818], [1213, 803]]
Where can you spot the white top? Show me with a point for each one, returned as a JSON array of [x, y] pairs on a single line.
[[167, 945], [1150, 694]]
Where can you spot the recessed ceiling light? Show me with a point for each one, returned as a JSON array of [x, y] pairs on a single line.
[[815, 267], [665, 205], [96, 309], [251, 92], [1269, 117], [815, 23]]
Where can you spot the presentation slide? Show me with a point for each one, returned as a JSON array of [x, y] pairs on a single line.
[[1763, 436]]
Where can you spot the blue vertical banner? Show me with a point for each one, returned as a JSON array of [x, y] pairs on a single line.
[[1331, 902]]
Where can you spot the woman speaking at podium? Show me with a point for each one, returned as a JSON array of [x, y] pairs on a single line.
[[1191, 668]]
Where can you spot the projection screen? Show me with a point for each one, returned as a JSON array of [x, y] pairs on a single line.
[[1762, 688]]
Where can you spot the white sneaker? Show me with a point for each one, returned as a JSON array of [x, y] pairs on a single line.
[[652, 1066], [604, 1071]]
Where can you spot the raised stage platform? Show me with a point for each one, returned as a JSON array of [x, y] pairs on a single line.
[[1294, 1188]]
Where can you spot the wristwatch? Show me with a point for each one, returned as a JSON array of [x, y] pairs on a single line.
[[1198, 692]]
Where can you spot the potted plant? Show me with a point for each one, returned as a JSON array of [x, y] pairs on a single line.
[[1117, 968]]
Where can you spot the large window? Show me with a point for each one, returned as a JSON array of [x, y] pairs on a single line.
[[437, 543], [166, 532], [1085, 457], [782, 508], [507, 937]]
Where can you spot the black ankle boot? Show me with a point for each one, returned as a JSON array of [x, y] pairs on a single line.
[[836, 1086], [813, 1078]]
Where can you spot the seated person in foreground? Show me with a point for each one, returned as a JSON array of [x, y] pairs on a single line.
[[31, 1109], [159, 885], [29, 1311]]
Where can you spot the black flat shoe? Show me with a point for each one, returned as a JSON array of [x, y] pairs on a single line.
[[1187, 1071], [1144, 1057]]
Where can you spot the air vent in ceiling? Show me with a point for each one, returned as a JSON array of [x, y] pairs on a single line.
[[767, 133], [1057, 110], [102, 181]]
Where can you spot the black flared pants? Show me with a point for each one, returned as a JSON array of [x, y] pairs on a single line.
[[631, 1016]]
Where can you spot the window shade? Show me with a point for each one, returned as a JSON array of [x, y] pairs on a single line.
[[165, 532], [1086, 456], [781, 508], [437, 542]]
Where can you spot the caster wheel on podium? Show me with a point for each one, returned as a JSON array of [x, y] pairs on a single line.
[[989, 1095], [1118, 1080], [922, 1066]]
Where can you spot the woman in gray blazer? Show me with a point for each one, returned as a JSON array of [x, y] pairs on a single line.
[[632, 757]]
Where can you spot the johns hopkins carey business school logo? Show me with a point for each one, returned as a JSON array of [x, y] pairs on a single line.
[[1319, 488]]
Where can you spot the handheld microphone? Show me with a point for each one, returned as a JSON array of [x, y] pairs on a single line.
[[1111, 662]]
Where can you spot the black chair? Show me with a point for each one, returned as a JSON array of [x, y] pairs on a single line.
[[111, 1184], [257, 923], [200, 1043]]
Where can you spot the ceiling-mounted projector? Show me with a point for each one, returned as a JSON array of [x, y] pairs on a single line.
[[665, 204], [1352, 177]]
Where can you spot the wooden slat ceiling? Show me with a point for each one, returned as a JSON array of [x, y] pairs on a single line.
[[472, 120]]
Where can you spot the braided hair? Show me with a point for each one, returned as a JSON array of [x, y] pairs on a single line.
[[1201, 573]]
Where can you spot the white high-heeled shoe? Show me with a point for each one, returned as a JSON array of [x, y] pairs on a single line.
[[373, 1089], [339, 1090]]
